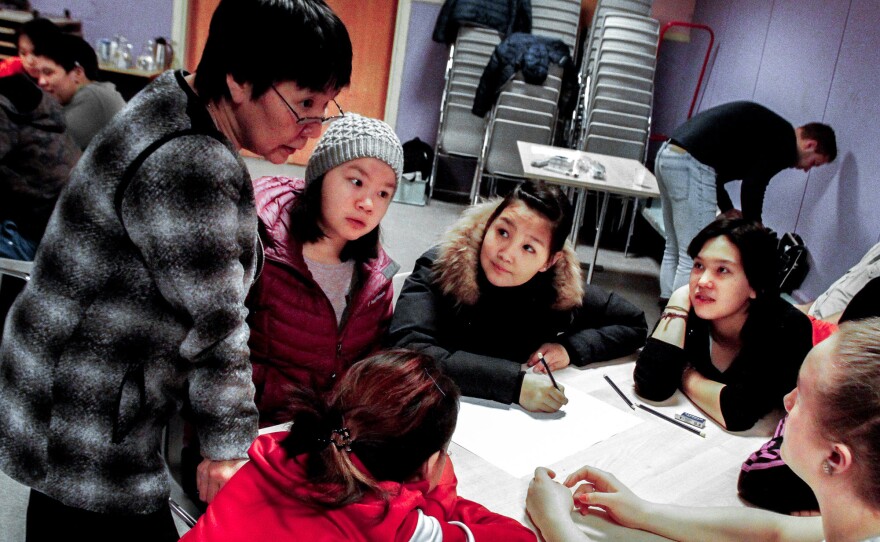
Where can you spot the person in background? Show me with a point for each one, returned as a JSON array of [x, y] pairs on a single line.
[[503, 289], [323, 300], [727, 339], [36, 156], [135, 308], [734, 141], [68, 70], [365, 462], [860, 280], [28, 37], [832, 442]]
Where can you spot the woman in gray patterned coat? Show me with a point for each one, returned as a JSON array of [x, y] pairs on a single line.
[[136, 305]]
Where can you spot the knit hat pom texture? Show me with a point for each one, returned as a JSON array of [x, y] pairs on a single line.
[[352, 137]]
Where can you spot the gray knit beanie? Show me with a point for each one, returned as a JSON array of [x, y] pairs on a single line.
[[352, 137]]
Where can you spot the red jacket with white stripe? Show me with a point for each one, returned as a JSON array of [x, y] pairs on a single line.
[[295, 339], [259, 503]]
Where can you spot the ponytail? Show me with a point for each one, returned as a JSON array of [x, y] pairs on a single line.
[[391, 411]]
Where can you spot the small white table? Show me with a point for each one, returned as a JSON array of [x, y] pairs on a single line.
[[659, 461], [623, 176]]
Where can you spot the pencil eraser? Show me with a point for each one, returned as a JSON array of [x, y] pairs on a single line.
[[690, 419]]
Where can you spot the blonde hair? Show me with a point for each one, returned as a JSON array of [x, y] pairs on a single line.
[[851, 399]]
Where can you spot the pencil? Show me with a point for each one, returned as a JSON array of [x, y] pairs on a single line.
[[182, 514], [673, 420], [544, 361], [620, 393]]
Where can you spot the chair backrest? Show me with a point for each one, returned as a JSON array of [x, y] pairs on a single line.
[[557, 19], [502, 153], [526, 116], [603, 9], [16, 268], [524, 101], [459, 131], [615, 131], [623, 80], [615, 147], [623, 68], [601, 103], [619, 52], [462, 133], [641, 23], [618, 92], [617, 118]]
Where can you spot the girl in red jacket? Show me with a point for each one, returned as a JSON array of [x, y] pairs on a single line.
[[323, 300], [368, 462]]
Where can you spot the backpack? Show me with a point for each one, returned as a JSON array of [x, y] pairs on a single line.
[[793, 264], [418, 156]]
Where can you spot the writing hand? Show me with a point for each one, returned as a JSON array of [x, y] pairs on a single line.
[[538, 394], [555, 355], [212, 475]]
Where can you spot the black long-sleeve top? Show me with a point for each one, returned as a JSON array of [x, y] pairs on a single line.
[[740, 141], [775, 341]]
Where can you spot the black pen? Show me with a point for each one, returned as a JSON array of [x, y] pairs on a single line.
[[673, 420], [544, 361], [620, 393]]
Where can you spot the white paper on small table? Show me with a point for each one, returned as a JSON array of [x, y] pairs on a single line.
[[517, 441]]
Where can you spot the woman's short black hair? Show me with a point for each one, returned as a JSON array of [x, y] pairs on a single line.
[[757, 249], [549, 201], [305, 218], [69, 51], [263, 42]]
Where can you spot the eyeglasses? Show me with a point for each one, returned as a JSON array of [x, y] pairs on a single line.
[[311, 120]]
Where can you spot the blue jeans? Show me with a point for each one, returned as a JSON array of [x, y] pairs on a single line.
[[13, 245], [687, 191]]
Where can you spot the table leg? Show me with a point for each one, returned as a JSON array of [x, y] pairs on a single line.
[[598, 236], [578, 218], [632, 225]]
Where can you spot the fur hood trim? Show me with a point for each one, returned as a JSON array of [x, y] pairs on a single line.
[[458, 262]]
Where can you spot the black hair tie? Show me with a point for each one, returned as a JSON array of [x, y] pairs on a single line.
[[341, 438]]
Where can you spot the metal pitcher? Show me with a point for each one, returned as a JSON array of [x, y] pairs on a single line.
[[163, 55]]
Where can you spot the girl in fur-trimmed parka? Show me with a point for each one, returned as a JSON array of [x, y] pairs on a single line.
[[503, 289]]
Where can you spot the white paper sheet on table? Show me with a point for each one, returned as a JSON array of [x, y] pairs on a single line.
[[517, 441]]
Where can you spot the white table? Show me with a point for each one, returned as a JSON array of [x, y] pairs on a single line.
[[623, 176], [659, 461]]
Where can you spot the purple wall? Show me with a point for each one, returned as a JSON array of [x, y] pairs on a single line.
[[137, 21], [423, 69], [810, 60]]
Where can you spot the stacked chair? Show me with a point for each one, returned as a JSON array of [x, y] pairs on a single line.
[[613, 113], [526, 112], [618, 90], [590, 49], [557, 19], [460, 132]]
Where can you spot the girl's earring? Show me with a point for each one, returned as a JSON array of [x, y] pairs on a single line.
[[826, 468]]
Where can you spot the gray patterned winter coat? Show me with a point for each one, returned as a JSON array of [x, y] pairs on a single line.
[[135, 308]]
